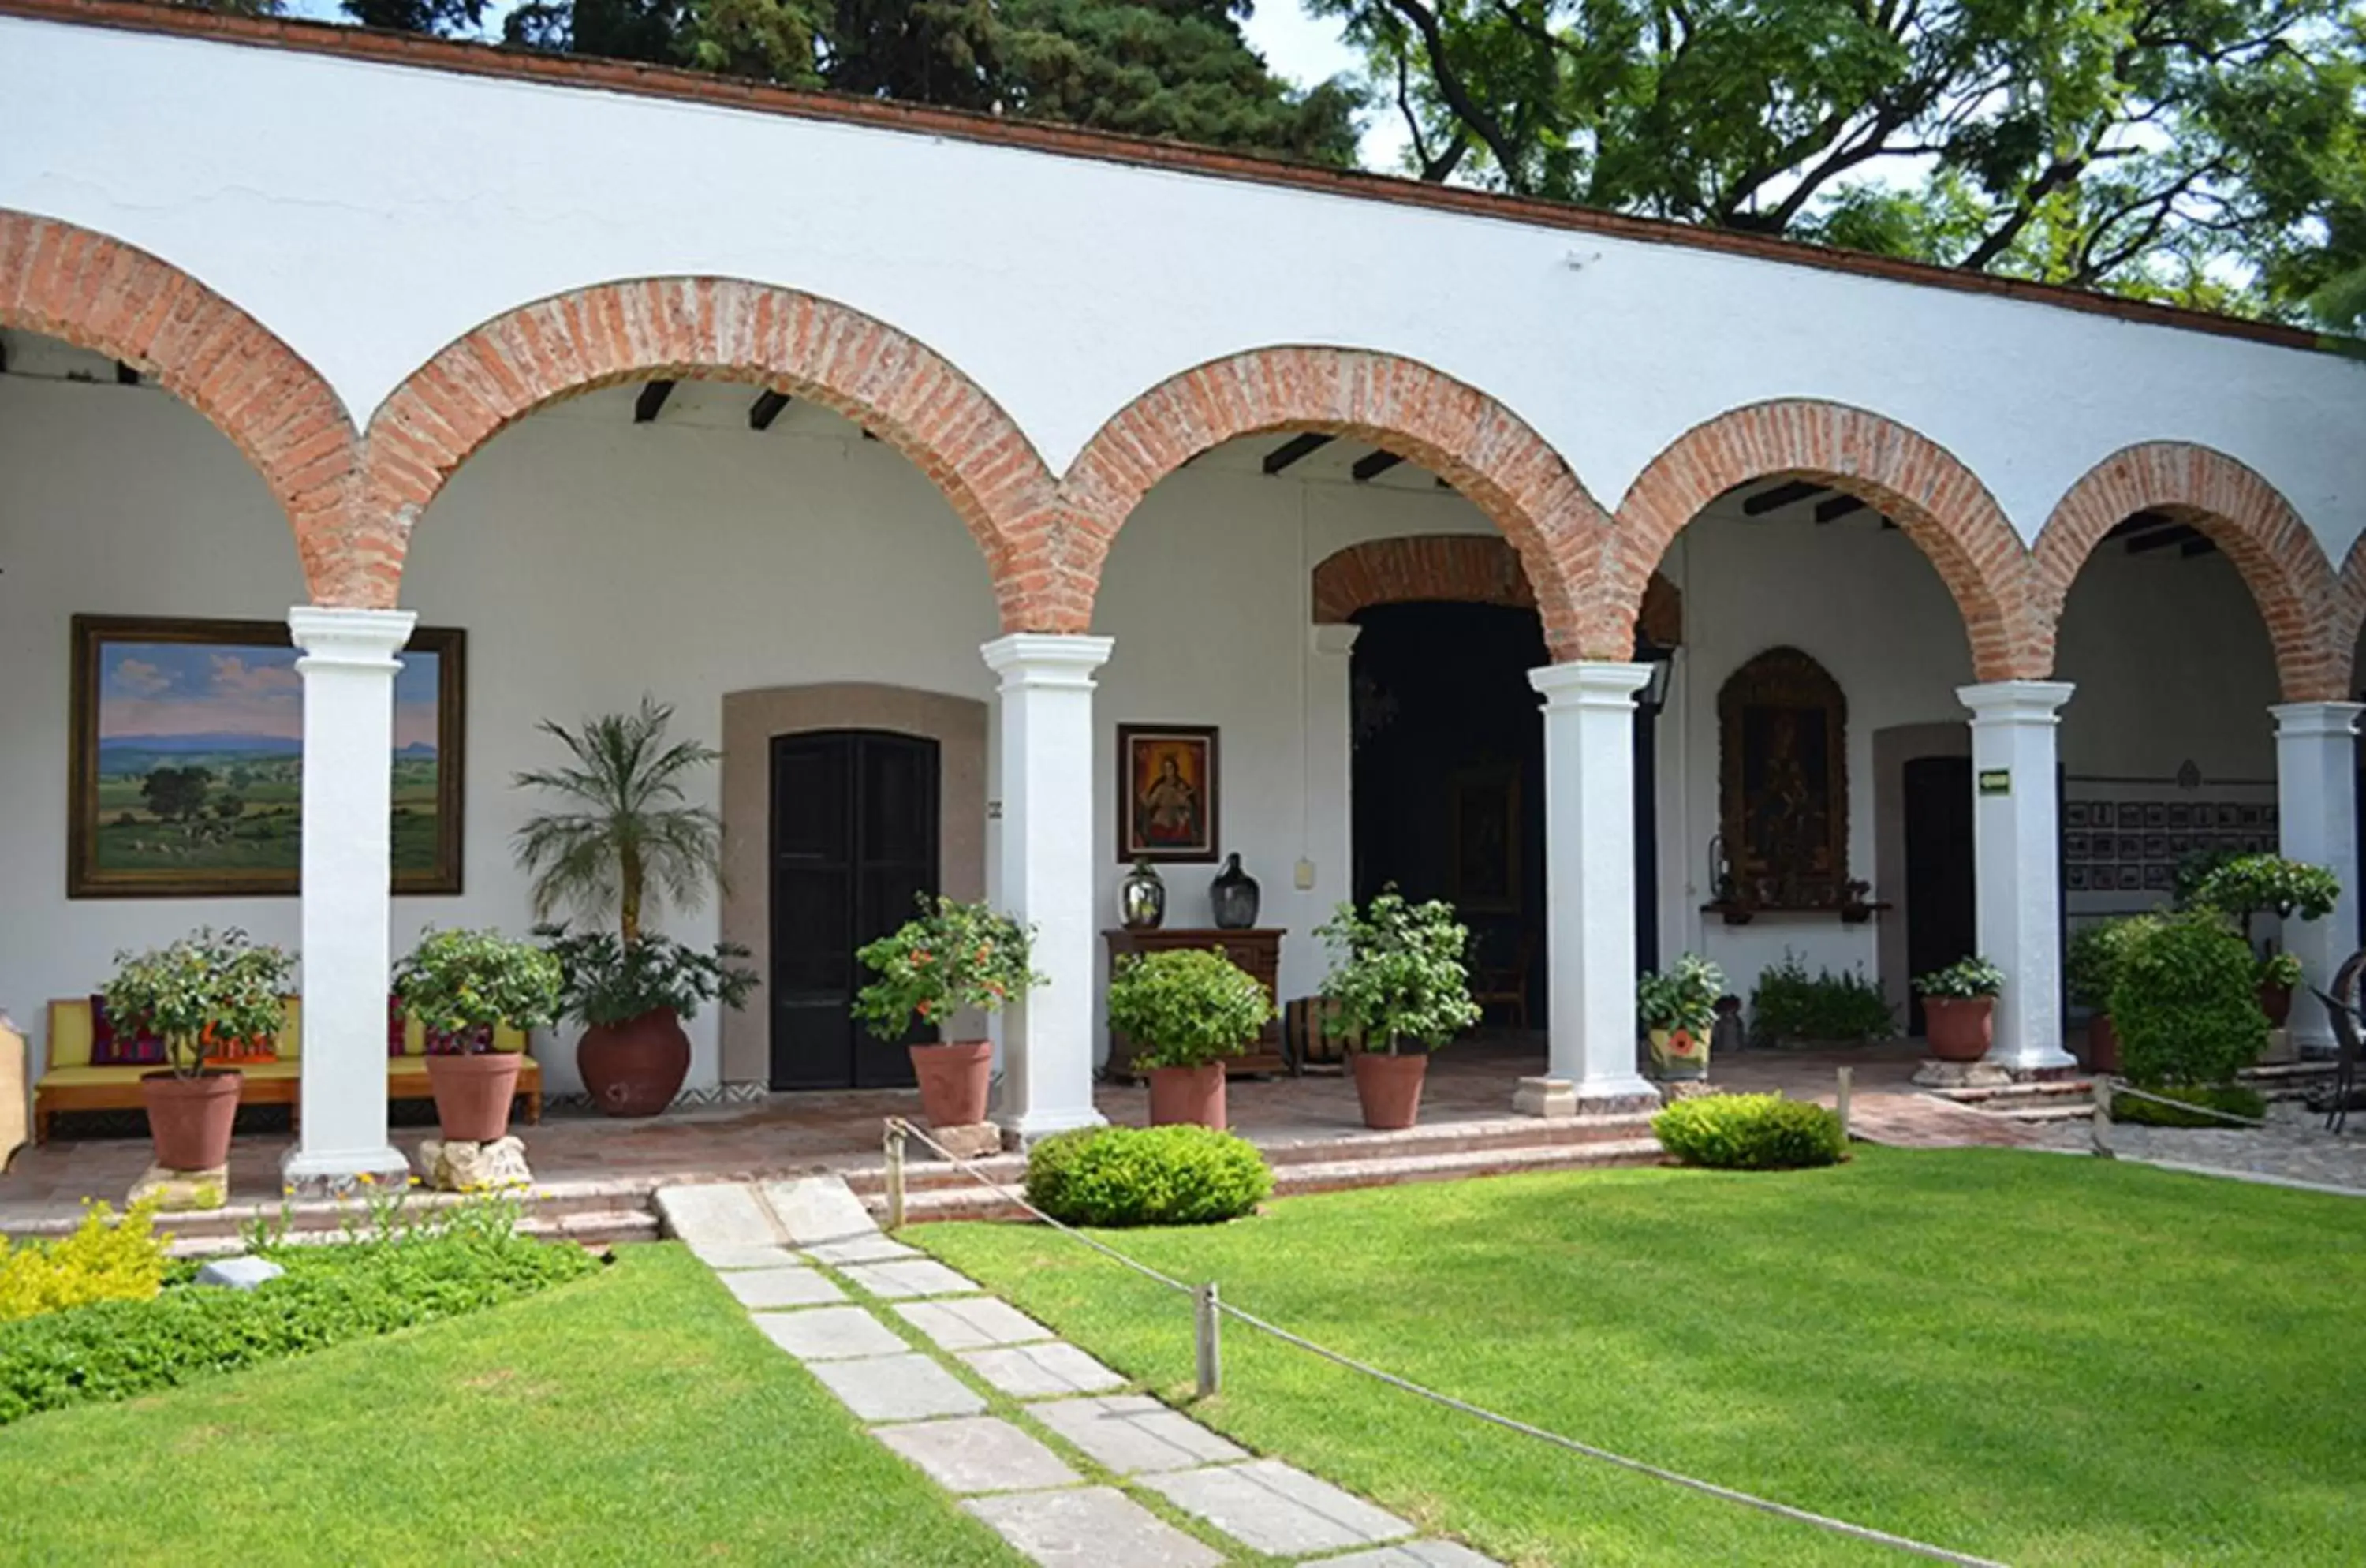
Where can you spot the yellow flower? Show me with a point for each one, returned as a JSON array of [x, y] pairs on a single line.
[[366, 1179]]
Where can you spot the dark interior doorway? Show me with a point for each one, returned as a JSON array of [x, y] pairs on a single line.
[[854, 844], [1941, 878]]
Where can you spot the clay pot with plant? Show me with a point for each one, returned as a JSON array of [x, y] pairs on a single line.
[[466, 988], [205, 991], [2090, 970], [626, 839], [954, 960], [1182, 1013], [2248, 887], [1959, 1009], [1400, 988], [1677, 1011]]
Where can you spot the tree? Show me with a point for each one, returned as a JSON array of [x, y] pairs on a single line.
[[2196, 150], [176, 795]]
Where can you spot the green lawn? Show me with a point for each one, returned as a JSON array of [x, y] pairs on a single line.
[[2032, 1358], [636, 1417]]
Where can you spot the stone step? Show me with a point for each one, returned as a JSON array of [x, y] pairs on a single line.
[[2042, 1090], [595, 1229]]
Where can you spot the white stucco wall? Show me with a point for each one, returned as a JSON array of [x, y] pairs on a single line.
[[356, 210]]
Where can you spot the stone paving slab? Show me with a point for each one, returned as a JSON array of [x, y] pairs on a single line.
[[830, 1334], [861, 1250], [780, 1287], [908, 1387], [723, 1259], [816, 1209], [1411, 1554], [979, 1453], [717, 1214], [971, 1323], [1131, 1434], [1040, 1371], [1272, 1507], [914, 1277], [1094, 1526]]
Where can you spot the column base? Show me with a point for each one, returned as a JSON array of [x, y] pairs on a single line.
[[1030, 1126], [1556, 1097], [2033, 1060], [339, 1174]]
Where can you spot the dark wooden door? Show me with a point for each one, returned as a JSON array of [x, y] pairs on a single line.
[[1942, 917], [854, 844]]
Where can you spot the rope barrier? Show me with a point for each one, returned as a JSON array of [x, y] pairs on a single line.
[[2105, 1086], [1675, 1478]]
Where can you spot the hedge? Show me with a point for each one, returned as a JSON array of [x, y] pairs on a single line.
[[1146, 1176], [1750, 1131]]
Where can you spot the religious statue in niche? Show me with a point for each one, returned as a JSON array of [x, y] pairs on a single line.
[[1783, 769]]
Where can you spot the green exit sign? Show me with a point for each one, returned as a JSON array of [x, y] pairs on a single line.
[[1996, 781]]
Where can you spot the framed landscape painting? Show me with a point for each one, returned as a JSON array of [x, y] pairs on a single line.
[[1166, 793], [189, 760]]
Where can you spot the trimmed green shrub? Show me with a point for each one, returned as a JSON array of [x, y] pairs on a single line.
[[1146, 1176], [2186, 1002], [2092, 966], [105, 1259], [1750, 1131], [1786, 1005], [2237, 1101]]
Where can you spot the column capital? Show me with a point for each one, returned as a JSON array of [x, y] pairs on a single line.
[[1046, 658], [1590, 683], [2331, 720], [357, 639], [1334, 641], [2015, 702]]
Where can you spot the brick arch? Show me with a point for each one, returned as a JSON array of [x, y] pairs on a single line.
[[1936, 501], [98, 293], [698, 328], [2305, 605], [1420, 413], [2350, 617], [1466, 568]]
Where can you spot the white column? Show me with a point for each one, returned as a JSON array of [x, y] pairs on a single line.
[[1590, 878], [2316, 812], [2016, 846], [348, 664], [1045, 724]]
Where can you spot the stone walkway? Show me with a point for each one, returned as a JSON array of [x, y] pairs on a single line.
[[1041, 1440], [2292, 1146]]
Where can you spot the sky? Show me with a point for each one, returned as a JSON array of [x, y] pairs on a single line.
[[186, 688]]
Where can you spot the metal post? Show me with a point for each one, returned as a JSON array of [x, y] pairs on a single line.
[[895, 1174], [1841, 1099], [2098, 1125], [1211, 1341]]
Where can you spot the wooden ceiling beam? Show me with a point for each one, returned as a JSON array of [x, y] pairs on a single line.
[[2161, 538], [1837, 508], [1781, 496], [1372, 465], [766, 409], [653, 398], [1293, 449]]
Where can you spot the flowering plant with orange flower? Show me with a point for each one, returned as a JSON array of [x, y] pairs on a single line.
[[954, 957]]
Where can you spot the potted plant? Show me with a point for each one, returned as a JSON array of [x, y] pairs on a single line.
[[2249, 885], [205, 989], [626, 836], [1400, 988], [2090, 970], [955, 958], [462, 987], [1677, 1011], [1959, 1009], [1182, 1012]]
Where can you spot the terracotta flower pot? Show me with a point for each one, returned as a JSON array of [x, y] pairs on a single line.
[[635, 1068], [954, 1078], [1959, 1029], [1187, 1096], [2102, 1045], [2276, 1003], [473, 1094], [189, 1119], [1389, 1088]]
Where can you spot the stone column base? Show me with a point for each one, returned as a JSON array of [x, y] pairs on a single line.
[[1545, 1097], [311, 1176], [975, 1140]]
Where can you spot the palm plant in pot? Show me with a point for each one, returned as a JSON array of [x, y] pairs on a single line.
[[1959, 1009], [1183, 1012], [1677, 1011], [463, 987], [953, 959], [627, 837], [1399, 988], [202, 992]]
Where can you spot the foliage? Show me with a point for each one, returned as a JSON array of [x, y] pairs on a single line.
[[2204, 152], [1684, 997], [629, 827], [461, 985], [2232, 1099], [1186, 1008], [2092, 965], [1402, 972], [953, 958], [1786, 1005], [205, 989], [1750, 1131], [468, 1259], [1964, 980], [1146, 1176], [103, 1259], [2268, 885], [2186, 1002], [2281, 971], [606, 981]]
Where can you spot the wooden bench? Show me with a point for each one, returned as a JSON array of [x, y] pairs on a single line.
[[69, 1082]]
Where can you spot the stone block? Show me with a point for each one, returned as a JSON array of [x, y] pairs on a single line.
[[909, 1387], [1091, 1526], [1271, 1508], [1413, 1554], [2280, 1051], [830, 1334], [721, 1259], [972, 1323], [861, 1250], [816, 1209], [714, 1214], [173, 1189], [241, 1273], [1040, 1372], [1935, 1074], [458, 1165], [1545, 1097], [979, 1453], [913, 1277], [781, 1288], [974, 1140], [1133, 1433]]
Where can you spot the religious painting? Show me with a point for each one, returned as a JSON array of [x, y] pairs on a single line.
[[187, 765], [1486, 839], [1783, 764], [1165, 792]]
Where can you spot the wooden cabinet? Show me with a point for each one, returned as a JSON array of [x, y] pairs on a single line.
[[1258, 951]]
